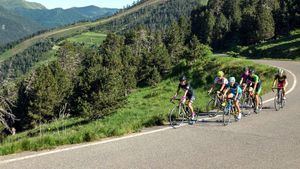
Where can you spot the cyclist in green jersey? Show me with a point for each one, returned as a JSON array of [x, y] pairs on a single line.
[[256, 85]]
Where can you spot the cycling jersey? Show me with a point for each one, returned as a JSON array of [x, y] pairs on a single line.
[[281, 79], [245, 78], [235, 89], [187, 87], [255, 79], [221, 81]]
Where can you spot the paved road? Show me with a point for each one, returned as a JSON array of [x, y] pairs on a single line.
[[268, 140]]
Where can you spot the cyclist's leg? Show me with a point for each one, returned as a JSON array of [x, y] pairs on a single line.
[[257, 94], [191, 99], [237, 103]]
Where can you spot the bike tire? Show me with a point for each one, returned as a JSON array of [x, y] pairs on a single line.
[[177, 116], [226, 116], [276, 103], [212, 108]]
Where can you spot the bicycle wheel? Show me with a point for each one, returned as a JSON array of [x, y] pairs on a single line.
[[177, 116], [212, 108], [260, 105], [227, 115], [282, 101], [276, 103]]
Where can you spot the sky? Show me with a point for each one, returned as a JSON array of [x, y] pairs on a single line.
[[50, 4]]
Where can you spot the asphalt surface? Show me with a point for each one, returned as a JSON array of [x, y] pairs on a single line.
[[268, 140]]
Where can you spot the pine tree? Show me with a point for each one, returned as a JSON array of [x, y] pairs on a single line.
[[265, 21]]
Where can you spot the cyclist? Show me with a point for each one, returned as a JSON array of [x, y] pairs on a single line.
[[219, 80], [281, 81], [244, 83], [256, 85], [235, 93], [188, 94]]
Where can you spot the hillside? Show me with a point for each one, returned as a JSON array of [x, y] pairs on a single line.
[[111, 87], [14, 27], [71, 30], [155, 17], [22, 18], [14, 4], [60, 17], [286, 47]]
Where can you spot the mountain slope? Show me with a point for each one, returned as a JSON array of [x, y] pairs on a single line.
[[14, 27], [59, 17], [73, 28], [13, 4], [156, 16]]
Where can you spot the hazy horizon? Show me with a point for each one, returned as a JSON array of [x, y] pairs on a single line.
[[65, 4]]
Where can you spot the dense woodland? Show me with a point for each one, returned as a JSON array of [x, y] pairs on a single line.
[[155, 17], [94, 81], [224, 24]]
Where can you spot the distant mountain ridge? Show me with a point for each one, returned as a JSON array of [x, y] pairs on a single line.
[[13, 4], [19, 18], [14, 27], [59, 17]]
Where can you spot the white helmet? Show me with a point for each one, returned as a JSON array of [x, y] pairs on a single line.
[[232, 80], [280, 72]]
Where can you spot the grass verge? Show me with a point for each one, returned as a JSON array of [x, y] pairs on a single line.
[[145, 107]]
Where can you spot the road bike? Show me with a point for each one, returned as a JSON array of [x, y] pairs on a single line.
[[180, 114], [248, 102], [215, 105], [279, 101], [228, 111]]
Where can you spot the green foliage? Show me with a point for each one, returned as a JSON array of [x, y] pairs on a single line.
[[225, 24], [153, 17], [145, 108], [42, 94], [286, 47], [197, 51], [89, 38]]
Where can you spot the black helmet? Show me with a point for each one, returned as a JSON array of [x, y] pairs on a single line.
[[182, 78], [246, 69], [252, 71]]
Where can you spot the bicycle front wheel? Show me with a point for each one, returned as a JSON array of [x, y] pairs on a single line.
[[177, 116], [226, 116], [212, 108], [276, 103]]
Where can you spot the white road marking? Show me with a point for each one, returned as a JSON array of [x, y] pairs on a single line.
[[125, 137]]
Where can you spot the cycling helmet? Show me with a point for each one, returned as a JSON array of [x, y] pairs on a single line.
[[232, 80], [280, 72], [220, 74], [182, 78], [252, 71]]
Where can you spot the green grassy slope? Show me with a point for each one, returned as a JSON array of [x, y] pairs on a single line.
[[287, 47], [89, 38], [71, 30], [145, 107]]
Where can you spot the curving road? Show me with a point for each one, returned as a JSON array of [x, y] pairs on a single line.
[[268, 140]]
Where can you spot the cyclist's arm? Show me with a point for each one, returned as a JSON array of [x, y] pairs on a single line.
[[223, 86], [226, 91], [212, 87], [255, 85], [274, 82], [286, 83], [241, 82]]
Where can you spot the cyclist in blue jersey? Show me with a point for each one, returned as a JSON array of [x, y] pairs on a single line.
[[235, 93]]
